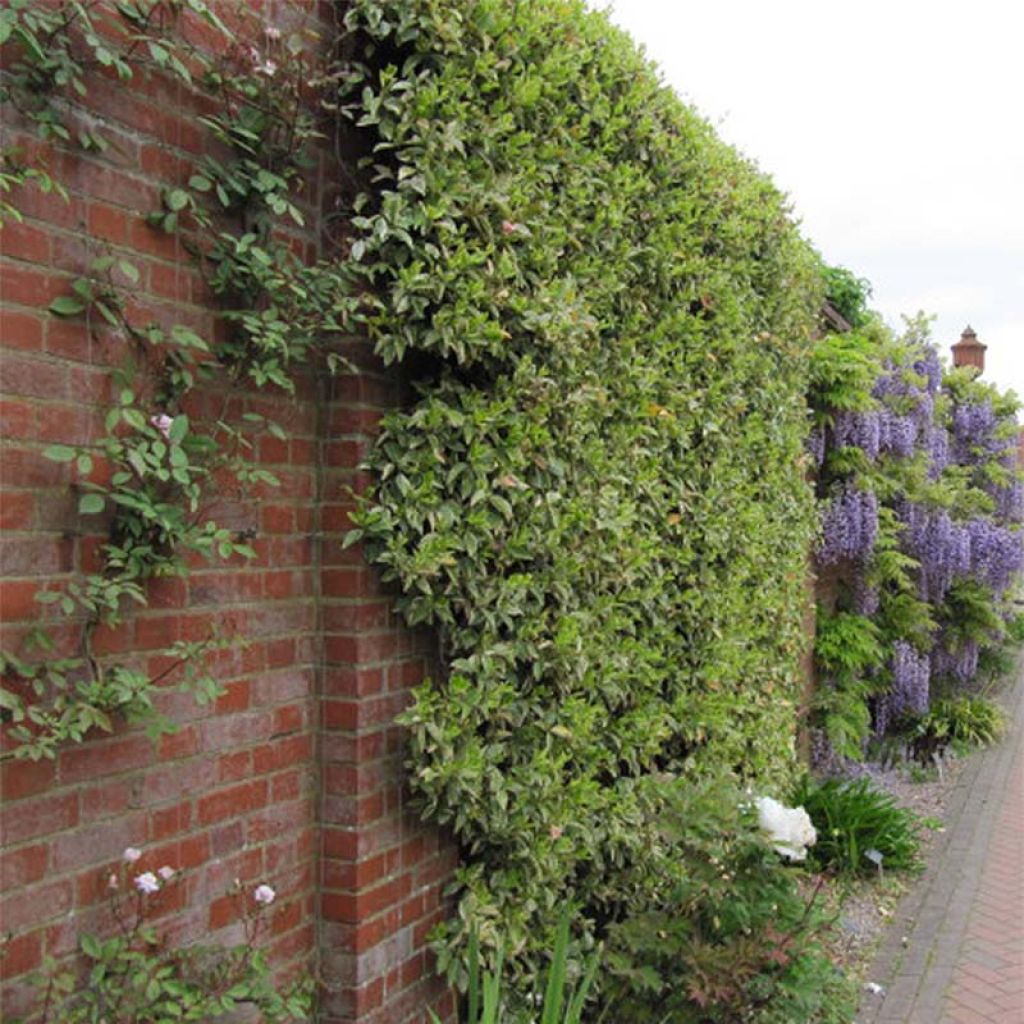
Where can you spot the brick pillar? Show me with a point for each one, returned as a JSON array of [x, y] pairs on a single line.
[[382, 872]]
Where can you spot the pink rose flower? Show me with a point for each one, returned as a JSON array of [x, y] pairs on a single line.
[[162, 423], [131, 855], [146, 883], [166, 873], [264, 894], [509, 227]]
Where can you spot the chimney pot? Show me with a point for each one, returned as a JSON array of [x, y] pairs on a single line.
[[968, 351]]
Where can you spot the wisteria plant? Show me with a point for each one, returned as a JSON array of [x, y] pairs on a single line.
[[921, 537]]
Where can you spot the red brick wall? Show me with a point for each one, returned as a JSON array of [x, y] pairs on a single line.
[[295, 776]]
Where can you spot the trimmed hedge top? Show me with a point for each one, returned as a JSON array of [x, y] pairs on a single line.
[[599, 497]]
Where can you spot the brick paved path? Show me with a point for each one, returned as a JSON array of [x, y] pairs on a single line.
[[963, 961]]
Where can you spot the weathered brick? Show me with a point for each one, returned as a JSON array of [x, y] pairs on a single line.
[[235, 792]]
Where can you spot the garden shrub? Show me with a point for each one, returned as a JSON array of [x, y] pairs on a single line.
[[854, 818], [599, 496], [966, 721], [732, 936]]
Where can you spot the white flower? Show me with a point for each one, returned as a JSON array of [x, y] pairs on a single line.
[[166, 873], [147, 883], [112, 882], [163, 423], [131, 855], [268, 68], [790, 828], [272, 33], [264, 894]]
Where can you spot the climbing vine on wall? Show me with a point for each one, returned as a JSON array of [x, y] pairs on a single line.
[[921, 529], [154, 475]]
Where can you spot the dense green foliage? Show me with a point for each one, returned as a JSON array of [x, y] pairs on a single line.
[[729, 936], [599, 496], [965, 721], [847, 294], [859, 826]]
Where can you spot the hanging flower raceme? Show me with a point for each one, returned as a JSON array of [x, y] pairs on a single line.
[[859, 429], [996, 553], [911, 676], [816, 445], [897, 433], [929, 366], [941, 546], [1010, 501], [849, 527], [974, 427], [959, 663], [936, 444]]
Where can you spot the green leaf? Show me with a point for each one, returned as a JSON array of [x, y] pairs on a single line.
[[60, 453], [65, 305], [90, 504], [179, 428], [176, 199], [129, 270]]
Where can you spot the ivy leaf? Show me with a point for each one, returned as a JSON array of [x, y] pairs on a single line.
[[60, 453], [176, 199], [179, 428], [65, 305], [91, 504], [129, 270]]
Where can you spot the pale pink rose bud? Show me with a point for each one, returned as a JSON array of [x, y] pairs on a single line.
[[162, 423], [264, 894], [112, 882], [272, 33], [555, 831], [131, 855], [166, 873], [147, 883], [509, 227]]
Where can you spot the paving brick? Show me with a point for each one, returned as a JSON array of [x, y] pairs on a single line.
[[967, 916]]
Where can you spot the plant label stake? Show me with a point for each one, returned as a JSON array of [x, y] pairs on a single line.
[[876, 858]]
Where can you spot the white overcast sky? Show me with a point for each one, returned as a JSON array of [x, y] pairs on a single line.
[[895, 128]]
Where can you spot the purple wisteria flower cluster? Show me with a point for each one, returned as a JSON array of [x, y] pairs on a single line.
[[997, 553], [941, 546], [911, 675], [960, 663], [974, 433], [947, 541], [849, 528], [989, 552]]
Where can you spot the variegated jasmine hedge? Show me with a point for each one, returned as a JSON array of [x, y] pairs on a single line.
[[599, 496]]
